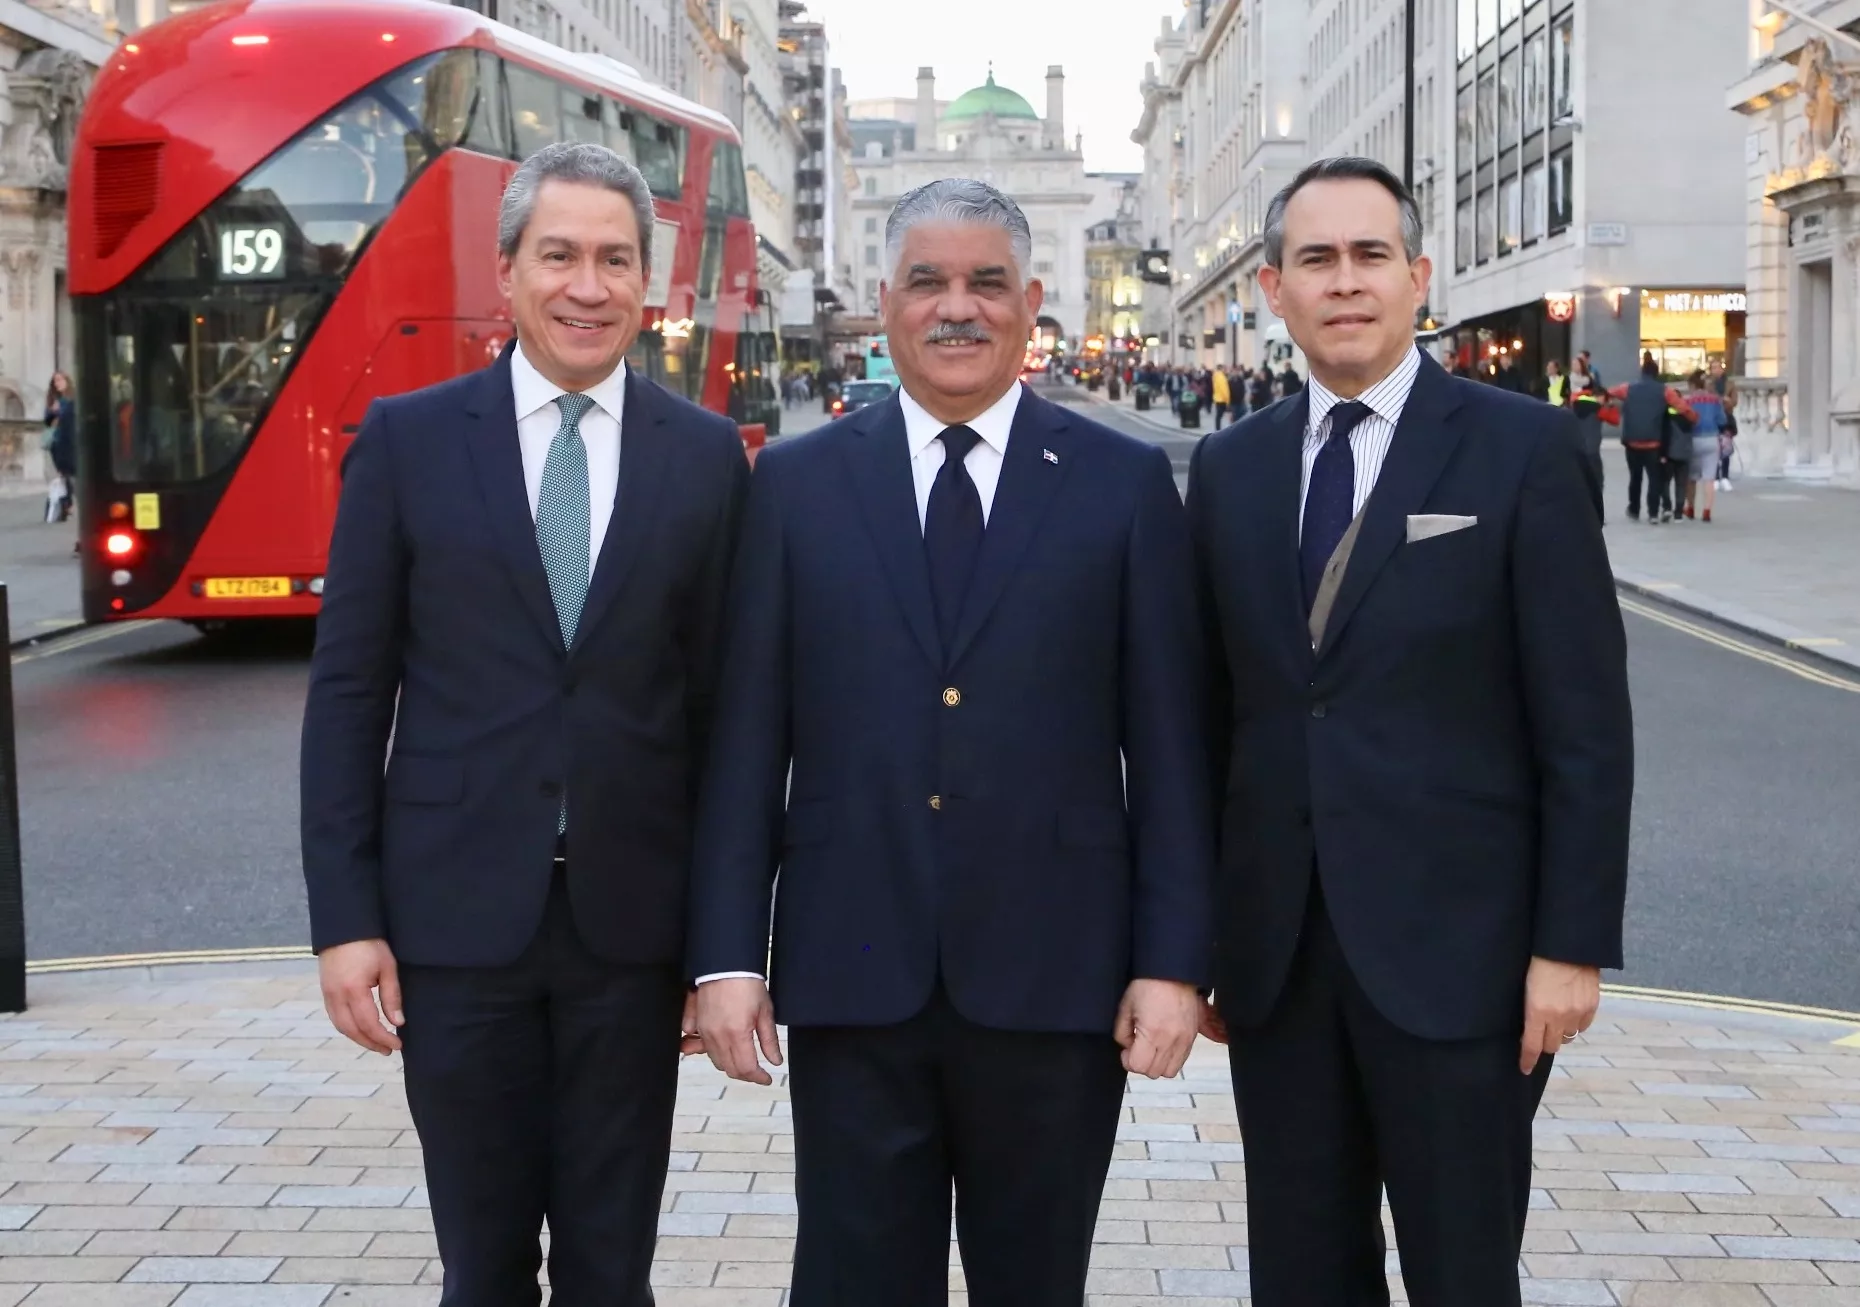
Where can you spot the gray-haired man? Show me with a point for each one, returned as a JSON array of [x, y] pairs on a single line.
[[525, 587], [964, 621]]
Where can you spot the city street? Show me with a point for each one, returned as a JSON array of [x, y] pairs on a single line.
[[159, 803]]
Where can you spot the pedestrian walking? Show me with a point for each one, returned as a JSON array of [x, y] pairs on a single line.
[[1289, 384], [1708, 427], [1726, 389], [1223, 397], [1259, 390], [1584, 372], [1555, 385], [523, 624], [1406, 936], [1593, 409], [1651, 416], [60, 442], [993, 865]]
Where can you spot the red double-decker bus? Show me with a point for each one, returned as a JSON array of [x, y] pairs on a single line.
[[280, 209]]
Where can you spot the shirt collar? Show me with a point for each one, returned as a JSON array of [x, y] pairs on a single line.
[[534, 391], [1385, 399], [992, 425]]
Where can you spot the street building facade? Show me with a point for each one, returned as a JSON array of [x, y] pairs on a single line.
[[993, 134], [1224, 126], [1575, 224], [49, 53], [1799, 405], [1114, 289], [651, 36], [815, 100]]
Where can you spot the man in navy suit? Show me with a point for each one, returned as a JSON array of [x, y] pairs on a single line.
[[965, 619], [525, 591], [1426, 759]]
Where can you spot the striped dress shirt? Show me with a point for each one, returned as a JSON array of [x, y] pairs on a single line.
[[1370, 441]]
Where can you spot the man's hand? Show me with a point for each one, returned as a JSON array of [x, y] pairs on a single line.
[[1559, 1003], [689, 1041], [351, 973], [733, 1016], [1156, 1025], [1212, 1027]]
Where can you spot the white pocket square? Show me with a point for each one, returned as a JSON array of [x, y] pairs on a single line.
[[1425, 526]]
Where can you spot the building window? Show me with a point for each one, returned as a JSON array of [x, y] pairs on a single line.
[[1043, 268], [1562, 54], [1487, 124], [1463, 130], [1466, 35], [871, 226], [1562, 190], [871, 256], [1536, 84], [1510, 216], [1463, 236], [1488, 224], [1488, 20], [1533, 203], [871, 186], [1509, 11], [1508, 100]]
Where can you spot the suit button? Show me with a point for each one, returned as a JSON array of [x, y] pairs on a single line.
[[936, 802], [549, 790], [1319, 709], [952, 697]]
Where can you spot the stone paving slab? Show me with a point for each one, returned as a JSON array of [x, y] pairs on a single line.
[[200, 1138]]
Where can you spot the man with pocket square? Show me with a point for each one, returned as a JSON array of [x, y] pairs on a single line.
[[1425, 750]]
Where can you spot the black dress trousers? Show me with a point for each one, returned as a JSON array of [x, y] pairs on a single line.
[[886, 1118], [1336, 1102], [544, 1090]]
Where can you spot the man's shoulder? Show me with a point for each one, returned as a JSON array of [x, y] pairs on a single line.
[[452, 394], [695, 423]]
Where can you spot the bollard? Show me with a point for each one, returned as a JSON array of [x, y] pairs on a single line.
[[12, 898]]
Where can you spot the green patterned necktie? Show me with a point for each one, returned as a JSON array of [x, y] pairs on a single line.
[[562, 525]]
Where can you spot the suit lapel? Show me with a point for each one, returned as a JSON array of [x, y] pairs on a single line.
[[646, 440], [878, 452], [1028, 481], [1424, 441], [497, 459]]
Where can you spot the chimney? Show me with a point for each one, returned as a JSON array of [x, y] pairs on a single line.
[[1055, 107], [926, 109]]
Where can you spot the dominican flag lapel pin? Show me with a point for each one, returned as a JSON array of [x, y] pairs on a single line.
[[1049, 455]]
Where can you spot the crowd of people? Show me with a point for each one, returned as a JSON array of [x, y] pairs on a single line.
[[1228, 393]]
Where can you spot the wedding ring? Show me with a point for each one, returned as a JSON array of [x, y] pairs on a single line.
[[1568, 1039]]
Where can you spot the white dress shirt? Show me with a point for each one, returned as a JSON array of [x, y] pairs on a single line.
[[538, 419], [1370, 439], [927, 457], [984, 461]]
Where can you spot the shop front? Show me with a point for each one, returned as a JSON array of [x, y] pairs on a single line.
[[1525, 338], [1687, 331]]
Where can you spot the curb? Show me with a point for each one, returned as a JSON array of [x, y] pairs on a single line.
[[1776, 634], [1170, 428], [44, 637]]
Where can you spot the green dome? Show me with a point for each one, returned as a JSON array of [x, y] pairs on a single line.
[[989, 99]]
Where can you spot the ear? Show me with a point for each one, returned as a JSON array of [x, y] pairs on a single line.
[[1269, 282], [506, 274], [1036, 296], [1422, 270]]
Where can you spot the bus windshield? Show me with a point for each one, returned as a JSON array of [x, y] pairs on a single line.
[[182, 361]]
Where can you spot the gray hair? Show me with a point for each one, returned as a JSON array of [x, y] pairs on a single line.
[[573, 161], [1343, 168], [959, 200]]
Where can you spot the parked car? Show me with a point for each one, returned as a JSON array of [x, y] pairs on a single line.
[[858, 394]]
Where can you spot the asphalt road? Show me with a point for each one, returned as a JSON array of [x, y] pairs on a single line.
[[159, 803]]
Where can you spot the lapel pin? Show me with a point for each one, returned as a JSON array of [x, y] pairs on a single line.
[[1050, 456]]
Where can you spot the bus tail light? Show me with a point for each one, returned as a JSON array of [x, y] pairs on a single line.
[[120, 544]]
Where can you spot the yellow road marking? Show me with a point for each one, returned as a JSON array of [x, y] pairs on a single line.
[[1777, 660], [58, 646], [1816, 642], [1852, 1041], [121, 961]]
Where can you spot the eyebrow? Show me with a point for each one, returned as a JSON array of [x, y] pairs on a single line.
[[612, 247], [1370, 245]]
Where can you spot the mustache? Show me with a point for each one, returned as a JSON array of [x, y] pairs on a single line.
[[956, 331]]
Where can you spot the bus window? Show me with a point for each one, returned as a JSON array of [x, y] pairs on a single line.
[[535, 108], [658, 153], [617, 126], [488, 130], [729, 191], [449, 97], [581, 117]]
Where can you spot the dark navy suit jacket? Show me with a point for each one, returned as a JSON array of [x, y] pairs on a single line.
[[1457, 759], [963, 814], [437, 597]]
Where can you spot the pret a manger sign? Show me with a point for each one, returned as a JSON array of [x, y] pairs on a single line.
[[1696, 301]]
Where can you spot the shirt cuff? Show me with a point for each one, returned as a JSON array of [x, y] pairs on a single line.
[[728, 975]]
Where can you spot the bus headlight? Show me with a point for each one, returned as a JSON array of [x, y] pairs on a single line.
[[316, 585], [119, 577]]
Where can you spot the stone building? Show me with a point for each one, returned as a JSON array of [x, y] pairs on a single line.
[[1799, 414], [993, 134]]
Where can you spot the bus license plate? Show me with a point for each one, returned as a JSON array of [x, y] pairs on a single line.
[[249, 587]]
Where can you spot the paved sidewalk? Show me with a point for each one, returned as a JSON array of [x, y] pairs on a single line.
[[1777, 560], [198, 1137], [38, 567]]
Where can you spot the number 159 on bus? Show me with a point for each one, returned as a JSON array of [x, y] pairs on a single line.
[[251, 251]]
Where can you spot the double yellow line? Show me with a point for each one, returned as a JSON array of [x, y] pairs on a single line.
[[125, 961], [1774, 659], [58, 644]]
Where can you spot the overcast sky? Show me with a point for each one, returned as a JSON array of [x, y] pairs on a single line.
[[878, 45]]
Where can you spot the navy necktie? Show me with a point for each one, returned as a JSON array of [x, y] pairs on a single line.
[[953, 528], [1330, 500]]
